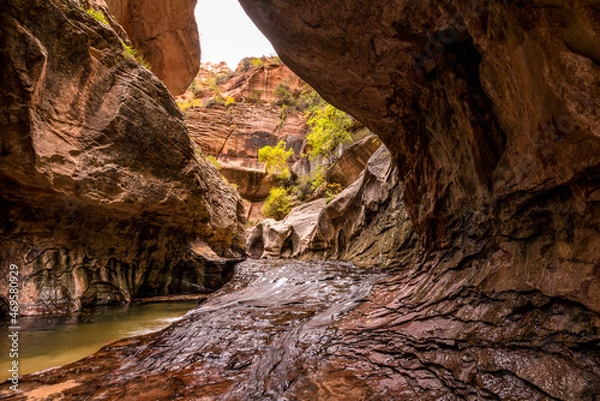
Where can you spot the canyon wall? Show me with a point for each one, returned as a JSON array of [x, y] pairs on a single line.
[[366, 224], [234, 133], [166, 35], [491, 111], [104, 198]]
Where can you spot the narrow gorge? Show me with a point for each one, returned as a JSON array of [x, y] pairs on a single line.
[[461, 263]]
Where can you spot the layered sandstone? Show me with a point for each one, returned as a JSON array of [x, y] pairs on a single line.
[[166, 35], [234, 133], [104, 198], [491, 111]]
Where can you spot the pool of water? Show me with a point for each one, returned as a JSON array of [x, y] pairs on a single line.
[[45, 342]]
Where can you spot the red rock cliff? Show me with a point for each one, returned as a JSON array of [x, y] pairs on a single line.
[[166, 34]]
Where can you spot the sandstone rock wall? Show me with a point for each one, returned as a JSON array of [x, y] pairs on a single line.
[[166, 35], [102, 192], [233, 134], [491, 110], [366, 224]]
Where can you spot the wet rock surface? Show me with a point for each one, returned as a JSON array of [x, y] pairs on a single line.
[[103, 197], [289, 330], [250, 340]]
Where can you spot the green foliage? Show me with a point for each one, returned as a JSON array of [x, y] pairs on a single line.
[[248, 63], [257, 62], [317, 177], [214, 86], [285, 111], [309, 100], [278, 203], [331, 190], [284, 95], [308, 184], [229, 101], [97, 15], [213, 160], [223, 76], [131, 52], [189, 104], [329, 129], [276, 160]]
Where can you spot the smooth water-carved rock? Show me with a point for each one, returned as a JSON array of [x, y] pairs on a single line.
[[103, 195], [294, 330], [491, 110], [166, 35], [367, 223], [293, 236]]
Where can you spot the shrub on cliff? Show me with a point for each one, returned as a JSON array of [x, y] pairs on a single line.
[[276, 160], [330, 128], [97, 15], [278, 203]]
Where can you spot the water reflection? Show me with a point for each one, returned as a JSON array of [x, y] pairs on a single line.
[[45, 342]]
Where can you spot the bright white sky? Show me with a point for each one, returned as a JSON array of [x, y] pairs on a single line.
[[227, 33]]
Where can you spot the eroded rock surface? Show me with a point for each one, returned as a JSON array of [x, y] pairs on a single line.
[[367, 223], [295, 331], [166, 35], [103, 196], [492, 112]]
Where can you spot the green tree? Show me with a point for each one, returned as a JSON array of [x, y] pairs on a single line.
[[329, 129], [276, 160], [278, 203]]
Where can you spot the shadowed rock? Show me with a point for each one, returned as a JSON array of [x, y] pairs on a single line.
[[103, 197]]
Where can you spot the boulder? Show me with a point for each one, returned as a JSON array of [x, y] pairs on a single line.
[[270, 239], [287, 238], [102, 192]]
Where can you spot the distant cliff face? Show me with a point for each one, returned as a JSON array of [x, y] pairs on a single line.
[[166, 34], [103, 196], [234, 133]]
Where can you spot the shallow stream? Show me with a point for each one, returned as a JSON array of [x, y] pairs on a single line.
[[45, 342]]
